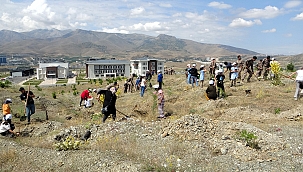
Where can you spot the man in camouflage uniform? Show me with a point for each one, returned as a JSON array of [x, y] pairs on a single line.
[[249, 68], [260, 68], [266, 67], [240, 66], [212, 67]]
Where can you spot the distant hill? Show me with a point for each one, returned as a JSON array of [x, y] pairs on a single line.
[[91, 43]]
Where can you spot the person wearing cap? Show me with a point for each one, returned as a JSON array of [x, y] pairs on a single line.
[[84, 96], [212, 67], [240, 64], [234, 74], [249, 68], [27, 98], [220, 83], [193, 75], [266, 67], [299, 82], [160, 79], [211, 91], [6, 109], [202, 75]]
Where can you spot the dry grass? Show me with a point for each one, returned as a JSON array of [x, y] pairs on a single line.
[[7, 157]]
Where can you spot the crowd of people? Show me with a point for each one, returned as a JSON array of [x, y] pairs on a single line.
[[237, 72]]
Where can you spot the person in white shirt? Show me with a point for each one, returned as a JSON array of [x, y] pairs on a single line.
[[299, 82], [5, 129], [143, 86]]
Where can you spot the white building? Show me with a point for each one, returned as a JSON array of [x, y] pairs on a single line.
[[140, 66], [107, 68], [52, 70]]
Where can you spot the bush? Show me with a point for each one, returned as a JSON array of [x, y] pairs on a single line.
[[290, 67], [248, 138], [54, 95], [68, 144]]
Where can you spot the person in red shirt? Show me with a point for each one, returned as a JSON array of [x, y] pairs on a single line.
[[84, 95]]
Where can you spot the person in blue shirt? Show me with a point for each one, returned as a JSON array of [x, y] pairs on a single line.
[[160, 79]]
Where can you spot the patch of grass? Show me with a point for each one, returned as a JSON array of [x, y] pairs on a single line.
[[277, 111], [62, 81], [7, 155], [33, 82]]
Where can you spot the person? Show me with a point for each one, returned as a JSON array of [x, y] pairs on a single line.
[[143, 86], [27, 98], [211, 91], [234, 74], [193, 75], [7, 115], [115, 84], [249, 68], [109, 103], [220, 83], [161, 101], [187, 74], [266, 67], [299, 82], [84, 96], [6, 130], [212, 67], [148, 75], [160, 79], [130, 83], [202, 74], [125, 86], [228, 66], [88, 103], [138, 81], [259, 68], [240, 64]]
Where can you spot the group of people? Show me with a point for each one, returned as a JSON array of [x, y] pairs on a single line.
[[238, 70], [6, 126]]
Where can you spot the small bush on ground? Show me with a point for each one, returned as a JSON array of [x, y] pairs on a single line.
[[68, 144]]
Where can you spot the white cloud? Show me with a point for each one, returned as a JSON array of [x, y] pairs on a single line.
[[219, 5], [239, 22], [269, 31], [267, 13], [154, 26], [292, 4], [137, 11], [115, 30], [288, 35], [298, 17], [5, 17], [165, 5]]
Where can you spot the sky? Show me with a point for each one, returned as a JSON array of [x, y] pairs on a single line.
[[265, 26]]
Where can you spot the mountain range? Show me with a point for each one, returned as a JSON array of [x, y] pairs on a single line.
[[100, 44]]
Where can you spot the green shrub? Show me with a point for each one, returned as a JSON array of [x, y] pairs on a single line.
[[290, 67], [54, 95], [68, 144], [277, 111], [248, 138]]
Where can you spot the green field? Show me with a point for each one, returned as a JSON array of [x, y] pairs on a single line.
[[33, 82]]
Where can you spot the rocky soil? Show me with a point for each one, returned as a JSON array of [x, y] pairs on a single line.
[[204, 138]]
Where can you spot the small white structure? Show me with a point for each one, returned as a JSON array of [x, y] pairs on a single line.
[[52, 70], [140, 66], [107, 68]]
